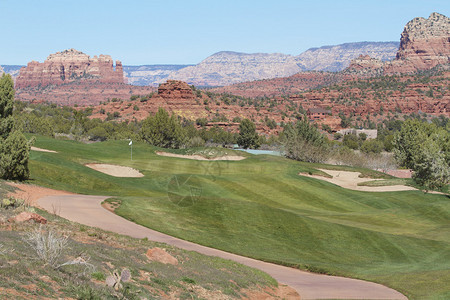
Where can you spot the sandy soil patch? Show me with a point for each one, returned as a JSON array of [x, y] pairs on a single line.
[[116, 171], [399, 173], [199, 157], [42, 150], [350, 180], [30, 193]]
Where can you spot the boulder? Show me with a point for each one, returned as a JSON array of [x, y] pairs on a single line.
[[160, 255], [27, 216]]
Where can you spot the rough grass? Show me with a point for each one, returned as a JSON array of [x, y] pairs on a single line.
[[388, 182], [24, 276], [207, 152], [260, 207]]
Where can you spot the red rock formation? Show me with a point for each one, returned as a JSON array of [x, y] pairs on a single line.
[[366, 66], [27, 216], [283, 86], [380, 96], [175, 89], [178, 98], [160, 255], [424, 44], [81, 92], [70, 66]]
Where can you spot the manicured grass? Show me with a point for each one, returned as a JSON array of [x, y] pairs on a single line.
[[261, 207]]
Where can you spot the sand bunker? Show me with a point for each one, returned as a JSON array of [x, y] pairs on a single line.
[[199, 157], [350, 180], [42, 150], [116, 171]]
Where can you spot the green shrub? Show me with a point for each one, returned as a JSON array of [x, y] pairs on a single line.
[[372, 146], [98, 276]]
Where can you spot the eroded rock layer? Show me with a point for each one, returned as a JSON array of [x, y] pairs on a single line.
[[424, 44], [70, 66]]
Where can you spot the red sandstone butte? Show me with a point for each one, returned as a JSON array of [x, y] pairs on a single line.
[[424, 44], [70, 66]]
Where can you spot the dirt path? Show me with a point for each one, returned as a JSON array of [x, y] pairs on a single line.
[[350, 180], [88, 210], [31, 193]]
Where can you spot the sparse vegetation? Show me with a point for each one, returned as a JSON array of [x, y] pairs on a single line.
[[23, 276]]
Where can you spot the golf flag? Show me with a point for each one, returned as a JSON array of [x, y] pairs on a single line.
[[131, 143]]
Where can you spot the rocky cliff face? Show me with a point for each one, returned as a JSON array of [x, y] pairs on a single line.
[[338, 57], [224, 68], [69, 66], [424, 44], [175, 89]]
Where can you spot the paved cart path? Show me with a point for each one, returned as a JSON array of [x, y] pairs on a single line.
[[87, 210]]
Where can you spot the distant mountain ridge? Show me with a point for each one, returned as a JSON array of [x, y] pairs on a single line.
[[228, 67], [336, 58], [149, 74]]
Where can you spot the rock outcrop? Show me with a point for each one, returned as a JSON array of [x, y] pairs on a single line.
[[70, 66], [27, 216], [366, 66], [175, 89], [160, 255], [424, 44]]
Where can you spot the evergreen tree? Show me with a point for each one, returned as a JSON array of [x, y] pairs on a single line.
[[163, 130], [425, 149], [303, 141], [6, 105], [248, 138], [14, 147]]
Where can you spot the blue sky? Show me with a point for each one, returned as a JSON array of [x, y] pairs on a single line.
[[186, 32]]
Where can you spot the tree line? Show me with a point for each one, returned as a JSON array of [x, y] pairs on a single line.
[[417, 143]]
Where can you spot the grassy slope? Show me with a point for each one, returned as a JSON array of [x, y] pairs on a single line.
[[20, 271], [260, 207]]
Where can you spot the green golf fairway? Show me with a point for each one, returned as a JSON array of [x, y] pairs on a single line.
[[260, 207]]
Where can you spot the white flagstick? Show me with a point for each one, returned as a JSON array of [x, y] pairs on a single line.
[[131, 144]]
